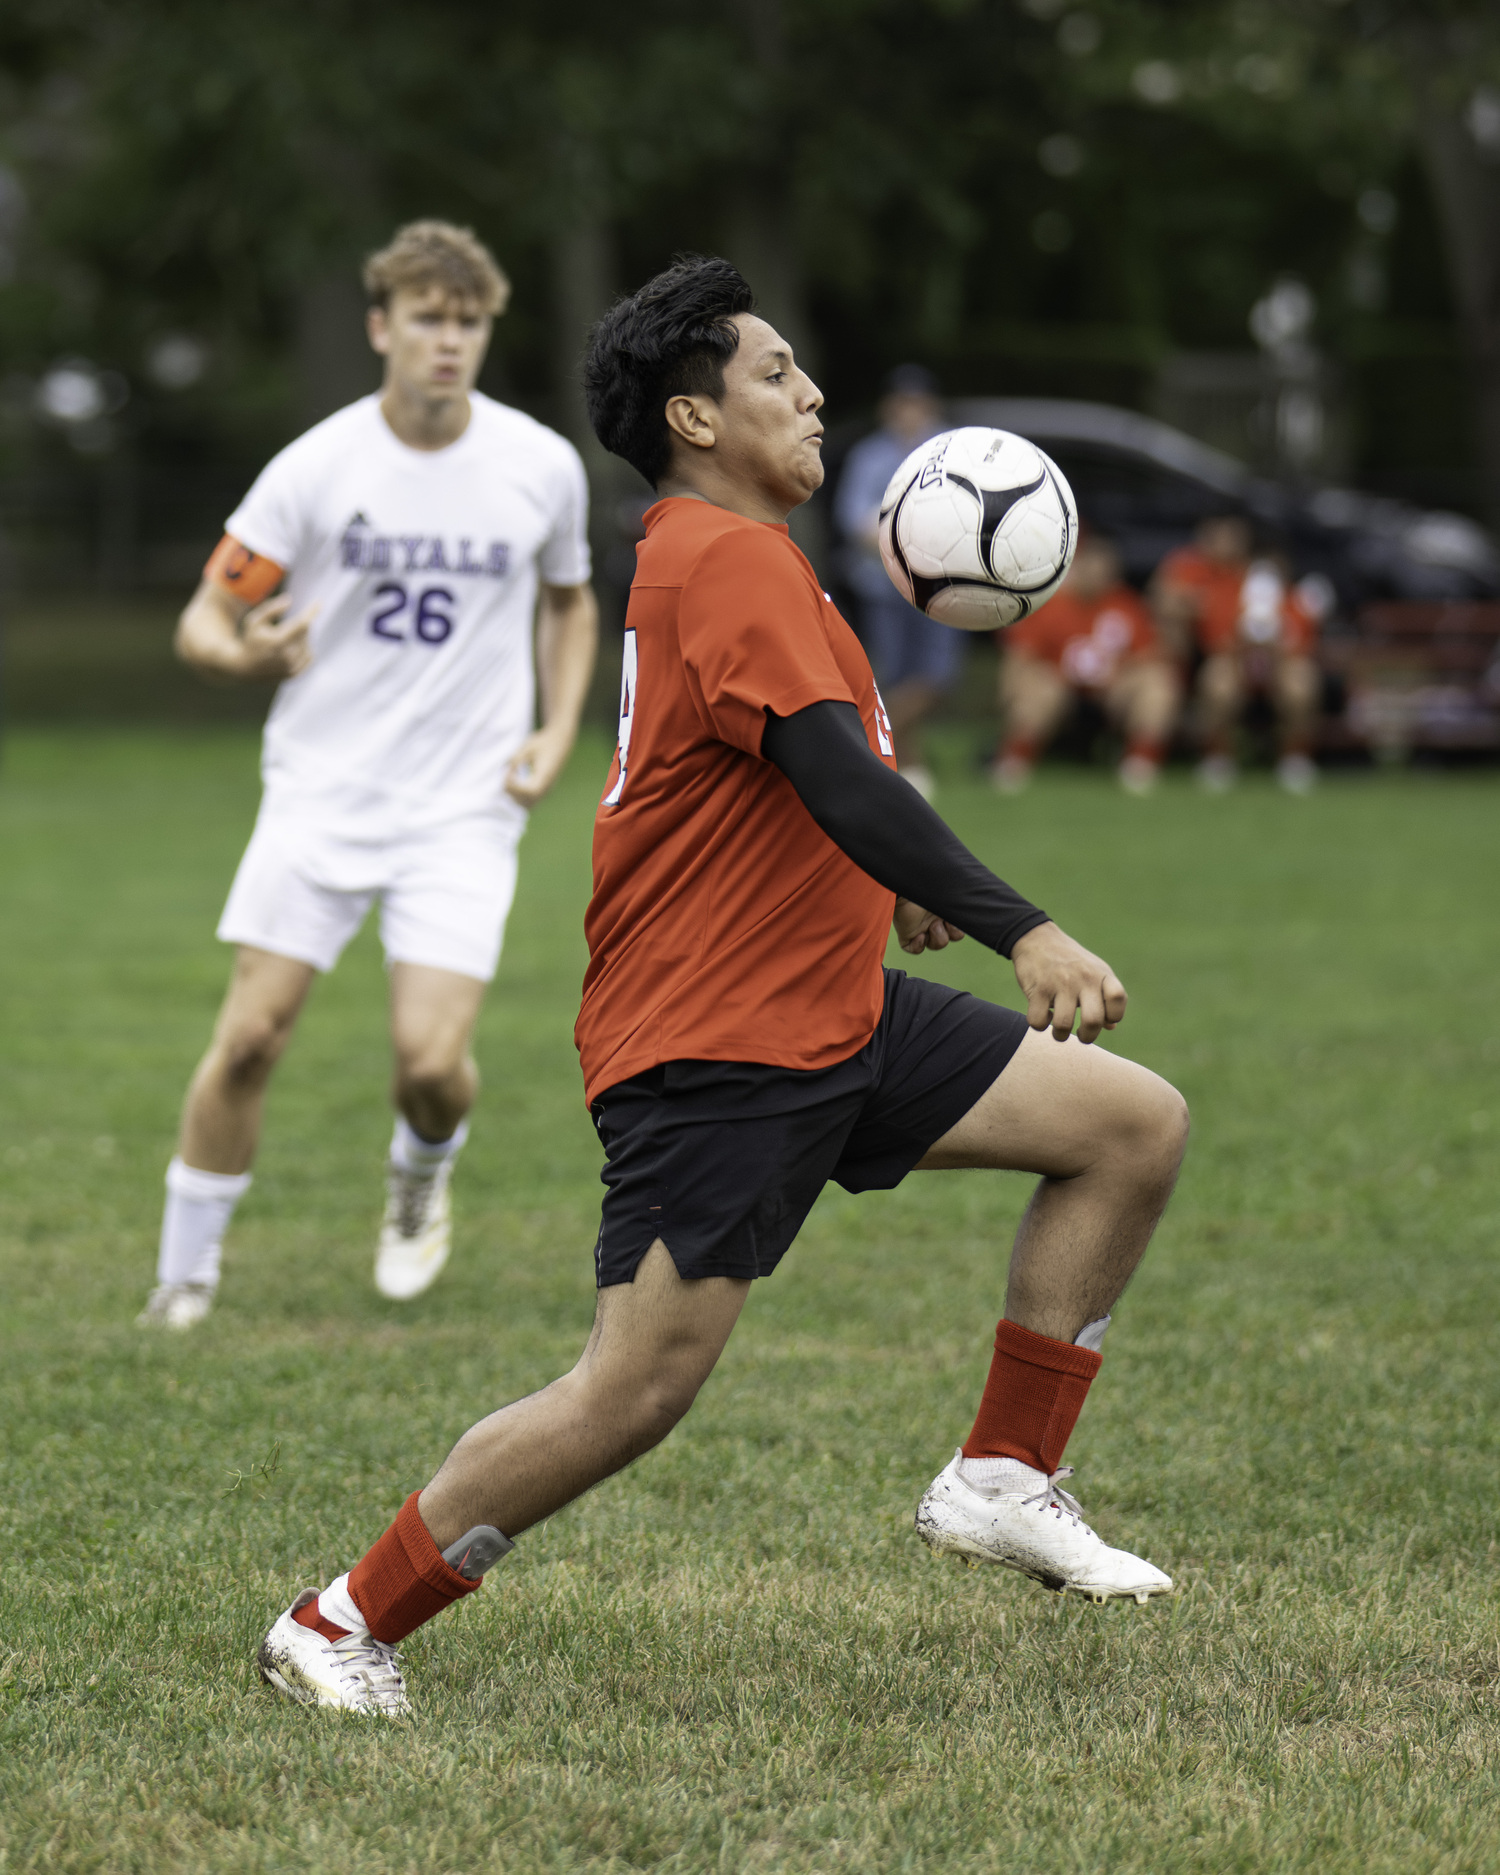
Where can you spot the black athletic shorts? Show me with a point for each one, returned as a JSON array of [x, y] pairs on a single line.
[[723, 1159]]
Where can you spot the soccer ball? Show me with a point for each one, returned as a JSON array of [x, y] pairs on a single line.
[[978, 528]]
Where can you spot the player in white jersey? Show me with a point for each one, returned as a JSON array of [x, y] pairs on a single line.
[[420, 538]]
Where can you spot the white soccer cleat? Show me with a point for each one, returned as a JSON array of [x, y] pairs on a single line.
[[417, 1232], [1010, 774], [1217, 774], [1042, 1534], [356, 1674], [1138, 775], [176, 1305], [1297, 774]]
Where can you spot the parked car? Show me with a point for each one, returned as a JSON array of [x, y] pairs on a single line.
[[1412, 648]]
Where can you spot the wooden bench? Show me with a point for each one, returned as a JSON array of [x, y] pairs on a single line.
[[1418, 674]]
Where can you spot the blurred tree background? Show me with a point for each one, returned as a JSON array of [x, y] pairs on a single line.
[[1091, 198]]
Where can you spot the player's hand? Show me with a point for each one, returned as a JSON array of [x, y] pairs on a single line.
[[537, 764], [1061, 980], [272, 645], [918, 930]]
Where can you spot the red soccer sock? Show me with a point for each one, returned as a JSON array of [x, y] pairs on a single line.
[[1145, 749], [1032, 1399], [1019, 749], [399, 1583]]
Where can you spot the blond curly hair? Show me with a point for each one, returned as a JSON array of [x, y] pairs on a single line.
[[436, 253]]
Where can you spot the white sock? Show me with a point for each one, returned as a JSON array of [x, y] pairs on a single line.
[[1007, 1475], [337, 1605], [199, 1207], [420, 1158]]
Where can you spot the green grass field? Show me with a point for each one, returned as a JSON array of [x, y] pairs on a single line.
[[738, 1656]]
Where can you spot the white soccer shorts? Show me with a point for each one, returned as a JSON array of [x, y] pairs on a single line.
[[445, 892]]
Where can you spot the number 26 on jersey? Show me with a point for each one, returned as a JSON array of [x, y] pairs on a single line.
[[403, 617]]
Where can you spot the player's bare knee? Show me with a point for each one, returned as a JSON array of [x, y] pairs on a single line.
[[1165, 1126], [664, 1393], [1175, 1123], [430, 1078], [662, 1402], [1149, 1133], [250, 1049]]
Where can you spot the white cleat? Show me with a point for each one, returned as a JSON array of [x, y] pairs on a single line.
[[176, 1305], [922, 779], [1009, 774], [1042, 1534], [417, 1232], [1217, 774], [1297, 774], [356, 1674], [1138, 775]]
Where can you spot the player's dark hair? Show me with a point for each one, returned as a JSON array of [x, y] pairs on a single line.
[[672, 338]]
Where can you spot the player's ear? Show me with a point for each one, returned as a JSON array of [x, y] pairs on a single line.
[[692, 418], [378, 330]]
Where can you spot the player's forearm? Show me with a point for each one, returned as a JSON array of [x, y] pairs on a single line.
[[887, 829], [208, 636], [567, 642]]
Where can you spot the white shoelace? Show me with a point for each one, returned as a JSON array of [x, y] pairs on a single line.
[[375, 1662], [1051, 1498]]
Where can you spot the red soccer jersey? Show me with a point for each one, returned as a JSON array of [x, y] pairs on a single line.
[[725, 925], [1087, 639], [1229, 612]]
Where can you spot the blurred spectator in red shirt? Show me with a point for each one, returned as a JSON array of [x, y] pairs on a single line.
[[916, 660], [1257, 634], [1096, 639]]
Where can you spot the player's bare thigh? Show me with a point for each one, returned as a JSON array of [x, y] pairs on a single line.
[[1057, 1108], [1221, 682], [1033, 694], [433, 1013], [1296, 683], [1143, 697]]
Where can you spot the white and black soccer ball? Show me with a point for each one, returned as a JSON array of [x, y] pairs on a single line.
[[978, 528]]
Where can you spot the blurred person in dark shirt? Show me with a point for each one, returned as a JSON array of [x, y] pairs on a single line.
[[1096, 639], [1257, 635], [916, 659]]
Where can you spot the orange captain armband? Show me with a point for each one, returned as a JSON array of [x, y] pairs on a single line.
[[249, 576]]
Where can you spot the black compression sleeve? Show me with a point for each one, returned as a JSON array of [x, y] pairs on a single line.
[[885, 826]]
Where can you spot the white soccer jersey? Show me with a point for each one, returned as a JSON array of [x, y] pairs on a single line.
[[424, 566]]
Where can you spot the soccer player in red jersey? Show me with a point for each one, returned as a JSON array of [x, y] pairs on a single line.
[[742, 1042], [1095, 639], [1257, 634]]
